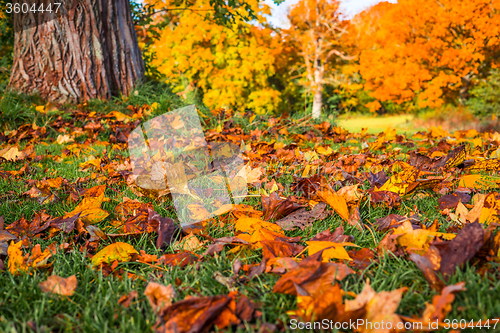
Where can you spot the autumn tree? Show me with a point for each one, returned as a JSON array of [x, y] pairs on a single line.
[[227, 65], [82, 49], [317, 30], [430, 50]]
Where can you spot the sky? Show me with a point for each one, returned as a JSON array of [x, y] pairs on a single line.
[[349, 7]]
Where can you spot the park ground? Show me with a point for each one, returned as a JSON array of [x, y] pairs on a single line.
[[57, 163]]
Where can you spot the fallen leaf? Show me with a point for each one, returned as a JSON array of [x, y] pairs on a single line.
[[276, 207], [126, 300], [311, 275], [192, 314], [59, 285], [159, 295], [335, 201], [302, 218], [331, 250], [461, 249], [441, 304], [452, 200], [16, 259], [117, 251]]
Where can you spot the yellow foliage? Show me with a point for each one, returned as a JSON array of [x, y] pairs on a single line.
[[231, 65]]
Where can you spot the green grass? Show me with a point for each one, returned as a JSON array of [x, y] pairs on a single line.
[[376, 124], [94, 306]]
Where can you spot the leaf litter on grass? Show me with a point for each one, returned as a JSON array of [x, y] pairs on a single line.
[[308, 181]]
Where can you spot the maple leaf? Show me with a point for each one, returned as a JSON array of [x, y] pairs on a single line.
[[379, 306], [337, 202]]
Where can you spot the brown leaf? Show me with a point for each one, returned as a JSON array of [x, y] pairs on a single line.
[[337, 236], [159, 295], [303, 218], [59, 285], [181, 259], [307, 186], [192, 315], [452, 200], [390, 199], [273, 249], [461, 249], [245, 308], [389, 244], [219, 243], [67, 224], [125, 300], [276, 207], [311, 275], [429, 263], [167, 230], [454, 158], [361, 258], [441, 304], [392, 221], [355, 218]]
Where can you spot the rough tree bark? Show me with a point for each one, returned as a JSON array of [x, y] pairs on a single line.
[[87, 50]]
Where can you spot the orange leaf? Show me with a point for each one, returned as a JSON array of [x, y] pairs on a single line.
[[335, 201], [159, 295], [16, 259], [59, 285]]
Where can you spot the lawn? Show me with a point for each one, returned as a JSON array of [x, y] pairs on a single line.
[[376, 124], [374, 236]]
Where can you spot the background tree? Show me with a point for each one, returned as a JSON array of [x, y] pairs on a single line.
[[227, 65], [430, 50], [88, 49], [317, 29]]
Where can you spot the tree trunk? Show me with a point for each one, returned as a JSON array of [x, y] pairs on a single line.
[[88, 49], [317, 104], [318, 92]]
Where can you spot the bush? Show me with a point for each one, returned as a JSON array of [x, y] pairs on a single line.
[[485, 100]]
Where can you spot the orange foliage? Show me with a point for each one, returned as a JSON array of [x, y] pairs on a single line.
[[230, 65], [427, 49]]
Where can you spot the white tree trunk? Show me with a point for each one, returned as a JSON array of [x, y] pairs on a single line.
[[317, 90], [317, 104]]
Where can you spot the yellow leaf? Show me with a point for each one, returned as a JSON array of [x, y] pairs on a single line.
[[117, 251], [198, 212], [250, 225], [419, 238], [190, 243], [16, 259], [479, 181], [119, 116], [324, 151], [335, 201], [334, 250], [64, 139], [12, 154], [398, 183], [250, 175], [41, 109], [94, 215]]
